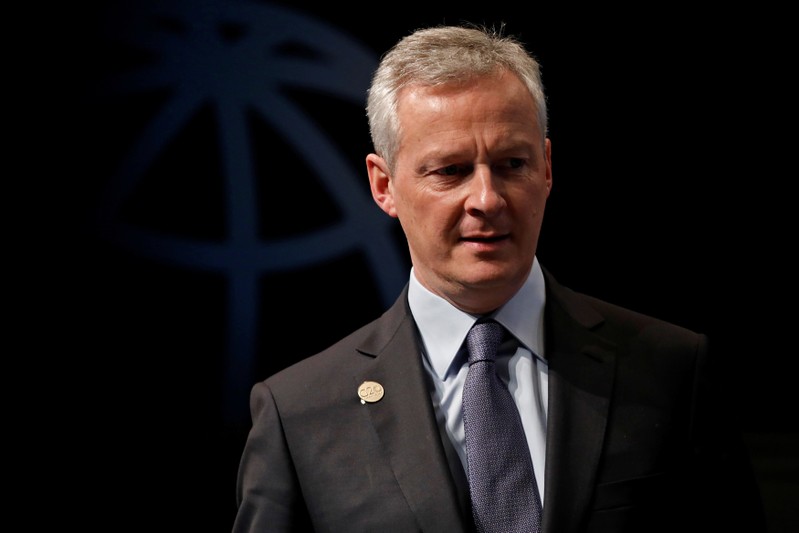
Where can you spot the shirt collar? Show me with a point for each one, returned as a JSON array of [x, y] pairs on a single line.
[[443, 327]]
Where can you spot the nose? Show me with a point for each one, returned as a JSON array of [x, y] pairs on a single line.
[[485, 195]]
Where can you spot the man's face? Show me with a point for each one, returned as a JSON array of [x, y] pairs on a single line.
[[472, 177]]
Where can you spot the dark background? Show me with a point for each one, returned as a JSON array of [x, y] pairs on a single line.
[[191, 238]]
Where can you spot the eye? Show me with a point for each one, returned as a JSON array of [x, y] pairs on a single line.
[[516, 162], [449, 170]]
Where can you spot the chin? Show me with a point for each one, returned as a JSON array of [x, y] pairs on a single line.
[[488, 276]]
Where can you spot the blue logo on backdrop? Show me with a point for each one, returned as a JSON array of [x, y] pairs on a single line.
[[238, 58]]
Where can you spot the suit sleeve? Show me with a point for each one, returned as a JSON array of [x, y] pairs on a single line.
[[267, 492]]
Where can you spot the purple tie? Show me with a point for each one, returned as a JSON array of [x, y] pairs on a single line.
[[502, 485]]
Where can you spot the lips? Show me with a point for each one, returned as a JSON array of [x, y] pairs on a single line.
[[485, 238]]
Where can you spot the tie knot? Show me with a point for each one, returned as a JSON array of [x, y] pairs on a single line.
[[483, 340]]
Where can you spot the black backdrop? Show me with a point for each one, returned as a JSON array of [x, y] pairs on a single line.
[[222, 197]]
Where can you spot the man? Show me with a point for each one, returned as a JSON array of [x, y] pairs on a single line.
[[623, 427]]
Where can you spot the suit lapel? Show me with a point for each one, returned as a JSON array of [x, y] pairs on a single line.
[[581, 374], [405, 421]]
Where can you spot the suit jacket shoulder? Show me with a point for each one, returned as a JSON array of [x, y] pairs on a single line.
[[636, 416], [355, 464]]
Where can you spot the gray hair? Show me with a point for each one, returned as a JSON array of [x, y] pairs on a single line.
[[444, 55]]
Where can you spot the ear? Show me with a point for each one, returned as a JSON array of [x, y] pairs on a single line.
[[381, 184], [548, 156]]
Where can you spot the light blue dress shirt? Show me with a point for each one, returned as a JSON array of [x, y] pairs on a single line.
[[443, 329]]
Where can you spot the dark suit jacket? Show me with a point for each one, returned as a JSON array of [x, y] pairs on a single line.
[[635, 438]]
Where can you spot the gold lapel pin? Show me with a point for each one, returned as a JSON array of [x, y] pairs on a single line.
[[370, 391]]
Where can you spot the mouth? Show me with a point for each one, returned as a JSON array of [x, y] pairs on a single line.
[[485, 239]]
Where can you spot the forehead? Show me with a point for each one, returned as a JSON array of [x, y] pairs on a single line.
[[499, 103]]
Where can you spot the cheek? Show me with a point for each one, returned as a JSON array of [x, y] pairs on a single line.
[[430, 223], [409, 201], [536, 194], [527, 208], [427, 212]]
